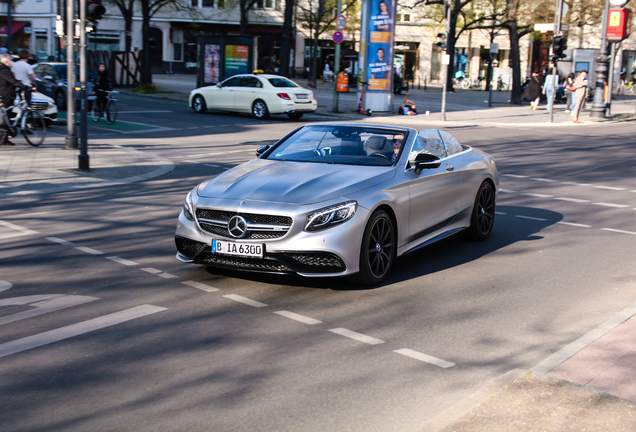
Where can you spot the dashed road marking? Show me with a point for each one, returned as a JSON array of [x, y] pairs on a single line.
[[506, 190], [618, 231], [577, 184], [576, 200], [536, 195], [425, 358], [244, 300], [298, 317], [41, 304], [150, 270], [167, 275], [574, 224], [201, 286], [211, 165], [531, 218], [356, 336], [122, 261], [500, 213], [22, 230], [604, 204], [59, 241], [544, 180], [610, 188], [70, 331], [5, 285], [89, 250], [514, 175]]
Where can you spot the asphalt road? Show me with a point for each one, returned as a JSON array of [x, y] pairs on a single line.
[[139, 341]]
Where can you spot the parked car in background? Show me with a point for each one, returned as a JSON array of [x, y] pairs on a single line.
[[45, 104], [260, 95], [51, 80]]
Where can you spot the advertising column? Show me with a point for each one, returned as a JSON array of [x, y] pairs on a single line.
[[378, 53]]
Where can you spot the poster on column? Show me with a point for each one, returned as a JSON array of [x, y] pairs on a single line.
[[236, 60], [380, 44], [212, 64]]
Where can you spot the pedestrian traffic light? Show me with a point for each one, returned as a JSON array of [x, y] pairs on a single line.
[[441, 40], [94, 10], [559, 45]]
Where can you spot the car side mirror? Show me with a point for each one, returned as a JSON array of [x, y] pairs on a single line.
[[261, 150], [425, 161]]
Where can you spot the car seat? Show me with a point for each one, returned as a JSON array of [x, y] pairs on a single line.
[[378, 144], [351, 145]]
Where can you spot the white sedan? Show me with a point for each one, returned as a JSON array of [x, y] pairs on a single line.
[[260, 94]]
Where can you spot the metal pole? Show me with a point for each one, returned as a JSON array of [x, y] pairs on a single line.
[[555, 73], [445, 70], [336, 67], [83, 156], [598, 106], [610, 80], [9, 17], [71, 137]]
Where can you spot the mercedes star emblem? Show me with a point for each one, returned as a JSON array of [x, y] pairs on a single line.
[[237, 227]]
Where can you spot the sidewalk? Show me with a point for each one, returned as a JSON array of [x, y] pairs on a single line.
[[562, 394]]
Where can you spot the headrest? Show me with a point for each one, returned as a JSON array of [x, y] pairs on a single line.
[[375, 142]]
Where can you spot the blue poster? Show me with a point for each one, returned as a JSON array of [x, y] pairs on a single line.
[[380, 44]]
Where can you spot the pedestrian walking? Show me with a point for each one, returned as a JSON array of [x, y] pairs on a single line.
[[547, 87], [23, 72], [8, 84], [533, 90], [580, 89], [568, 86], [101, 84]]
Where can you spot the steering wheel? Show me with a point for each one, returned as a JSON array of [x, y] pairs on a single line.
[[323, 151], [382, 155]]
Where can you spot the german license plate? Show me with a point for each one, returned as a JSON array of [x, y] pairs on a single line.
[[302, 96], [250, 250]]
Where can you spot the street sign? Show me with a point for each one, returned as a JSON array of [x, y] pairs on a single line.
[[445, 59], [341, 22], [544, 27], [338, 37]]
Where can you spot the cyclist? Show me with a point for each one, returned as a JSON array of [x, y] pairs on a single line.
[[23, 71], [8, 84], [101, 84]]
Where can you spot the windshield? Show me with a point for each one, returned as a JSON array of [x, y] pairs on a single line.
[[348, 145], [282, 82]]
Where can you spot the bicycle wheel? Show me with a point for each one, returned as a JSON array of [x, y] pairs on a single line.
[[465, 83], [33, 127], [95, 113], [111, 112]]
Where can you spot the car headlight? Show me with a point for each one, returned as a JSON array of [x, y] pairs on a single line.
[[188, 207], [330, 216]]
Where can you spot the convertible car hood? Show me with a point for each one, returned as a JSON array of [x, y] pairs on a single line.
[[293, 182]]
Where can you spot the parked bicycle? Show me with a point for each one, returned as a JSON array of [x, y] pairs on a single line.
[[461, 80], [501, 85], [110, 108], [28, 120]]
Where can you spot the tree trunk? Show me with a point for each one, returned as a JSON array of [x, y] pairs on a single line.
[[515, 61], [450, 45], [146, 74], [243, 5], [286, 39], [314, 64]]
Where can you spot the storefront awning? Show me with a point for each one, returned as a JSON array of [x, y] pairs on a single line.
[[15, 27]]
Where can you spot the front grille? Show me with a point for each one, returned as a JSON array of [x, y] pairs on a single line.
[[39, 105], [221, 219], [189, 248], [317, 260], [246, 264]]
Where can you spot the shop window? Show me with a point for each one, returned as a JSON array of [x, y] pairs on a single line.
[[41, 47], [207, 3], [194, 3]]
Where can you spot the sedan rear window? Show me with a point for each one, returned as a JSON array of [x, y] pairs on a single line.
[[282, 82], [335, 144]]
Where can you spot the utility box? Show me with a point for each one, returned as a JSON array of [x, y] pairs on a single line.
[[222, 56]]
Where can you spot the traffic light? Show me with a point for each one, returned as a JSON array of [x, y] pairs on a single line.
[[441, 40], [559, 45], [94, 10]]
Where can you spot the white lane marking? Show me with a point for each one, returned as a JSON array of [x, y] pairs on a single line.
[[167, 276], [574, 224], [5, 285], [531, 218], [122, 261], [610, 205], [500, 213], [244, 300], [209, 126], [425, 358], [237, 151], [357, 336], [577, 184], [536, 195], [610, 188], [201, 286], [506, 190], [576, 200], [544, 180], [298, 317], [618, 231], [70, 331], [150, 270], [59, 241], [192, 162], [89, 250], [41, 304], [514, 175], [22, 230], [215, 166], [144, 112], [194, 127]]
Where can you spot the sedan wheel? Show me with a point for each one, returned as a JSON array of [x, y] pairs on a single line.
[[259, 109], [198, 104], [483, 217], [377, 250]]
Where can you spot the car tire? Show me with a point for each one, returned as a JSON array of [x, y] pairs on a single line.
[[60, 100], [483, 216], [377, 250], [198, 104], [259, 109], [295, 116]]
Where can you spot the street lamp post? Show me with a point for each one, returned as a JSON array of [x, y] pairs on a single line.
[[602, 59]]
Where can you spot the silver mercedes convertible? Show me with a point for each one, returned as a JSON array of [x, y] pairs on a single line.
[[335, 199]]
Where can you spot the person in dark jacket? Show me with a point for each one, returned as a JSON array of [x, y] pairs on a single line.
[[8, 84], [101, 84], [534, 90]]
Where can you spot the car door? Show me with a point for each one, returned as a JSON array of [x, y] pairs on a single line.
[[246, 93], [460, 160], [45, 79], [223, 97], [433, 192]]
